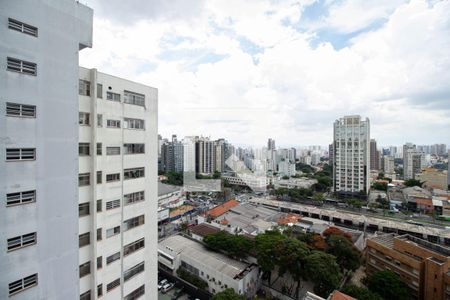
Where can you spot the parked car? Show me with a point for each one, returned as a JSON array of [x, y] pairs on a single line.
[[167, 287], [162, 283]]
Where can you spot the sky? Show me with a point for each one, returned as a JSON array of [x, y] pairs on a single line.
[[254, 69]]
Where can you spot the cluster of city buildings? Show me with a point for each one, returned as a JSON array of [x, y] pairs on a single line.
[[78, 165]]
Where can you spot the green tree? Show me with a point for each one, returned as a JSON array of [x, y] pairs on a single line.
[[347, 256], [388, 285], [360, 293], [318, 197], [173, 178], [322, 269], [228, 294], [291, 254], [381, 186], [267, 255], [236, 246], [413, 182]]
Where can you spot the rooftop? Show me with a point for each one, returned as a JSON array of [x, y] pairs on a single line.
[[222, 208], [387, 240], [164, 189], [202, 256], [341, 296], [204, 229]]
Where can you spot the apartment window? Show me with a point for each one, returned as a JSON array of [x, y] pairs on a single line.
[[22, 241], [99, 234], [84, 239], [133, 271], [112, 231], [99, 148], [99, 120], [136, 293], [99, 205], [99, 91], [113, 96], [22, 284], [133, 123], [133, 222], [83, 209], [133, 247], [84, 179], [99, 177], [15, 154], [20, 198], [113, 123], [99, 262], [133, 98], [22, 27], [84, 87], [83, 118], [20, 110], [133, 173], [112, 258], [85, 269], [21, 66], [86, 295], [100, 290], [113, 284], [84, 149], [134, 148], [133, 197], [112, 150], [112, 204], [112, 177]]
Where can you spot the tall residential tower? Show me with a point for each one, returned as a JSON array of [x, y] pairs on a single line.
[[117, 187], [351, 160]]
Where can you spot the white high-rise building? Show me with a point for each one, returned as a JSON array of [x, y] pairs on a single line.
[[351, 155], [117, 187], [388, 164], [39, 45], [413, 161]]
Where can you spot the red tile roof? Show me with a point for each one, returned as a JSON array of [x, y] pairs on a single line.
[[341, 296], [222, 208], [204, 229]]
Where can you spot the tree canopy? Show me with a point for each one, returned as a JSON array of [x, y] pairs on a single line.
[[360, 293], [323, 270], [347, 256], [228, 294], [236, 246], [413, 182], [388, 285]]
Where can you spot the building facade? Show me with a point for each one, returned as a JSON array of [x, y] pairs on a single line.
[[374, 156], [40, 40], [117, 187], [413, 161], [351, 155], [423, 266], [172, 156], [216, 269]]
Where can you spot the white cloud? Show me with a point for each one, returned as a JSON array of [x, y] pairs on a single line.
[[396, 75]]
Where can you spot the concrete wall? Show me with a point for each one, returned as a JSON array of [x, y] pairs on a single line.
[[64, 27]]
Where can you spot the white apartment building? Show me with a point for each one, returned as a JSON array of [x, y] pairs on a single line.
[[39, 45], [117, 187], [388, 164], [351, 159], [413, 161]]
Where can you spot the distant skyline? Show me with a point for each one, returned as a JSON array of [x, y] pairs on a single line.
[[249, 70]]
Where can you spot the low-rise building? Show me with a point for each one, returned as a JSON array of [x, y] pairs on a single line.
[[423, 266], [169, 195], [199, 231], [216, 269], [291, 183]]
